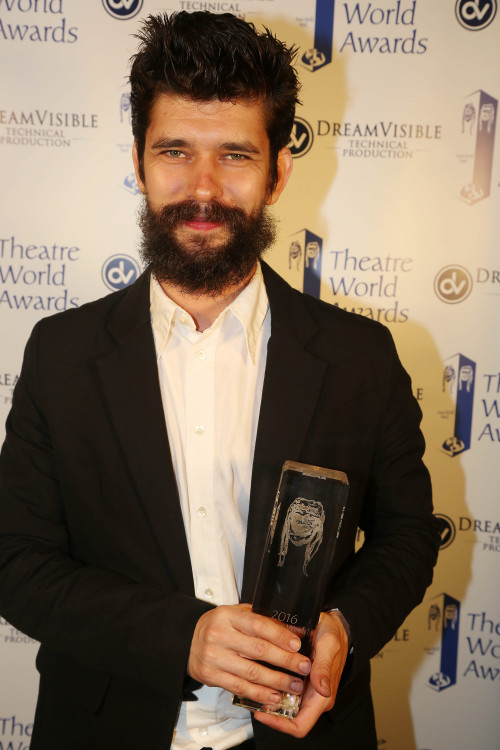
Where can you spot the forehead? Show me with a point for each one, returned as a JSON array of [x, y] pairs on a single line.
[[309, 507], [243, 117]]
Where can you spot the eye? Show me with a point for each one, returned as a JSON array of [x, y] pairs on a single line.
[[236, 157], [173, 153]]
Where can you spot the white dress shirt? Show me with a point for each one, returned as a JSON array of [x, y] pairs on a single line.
[[211, 385]]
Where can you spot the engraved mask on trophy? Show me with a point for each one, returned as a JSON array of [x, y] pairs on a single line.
[[303, 527]]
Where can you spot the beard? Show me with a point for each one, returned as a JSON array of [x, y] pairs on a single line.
[[200, 264]]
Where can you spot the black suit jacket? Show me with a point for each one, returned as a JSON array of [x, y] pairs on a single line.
[[93, 555]]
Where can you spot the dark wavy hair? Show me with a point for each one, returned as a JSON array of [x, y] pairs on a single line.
[[206, 56]]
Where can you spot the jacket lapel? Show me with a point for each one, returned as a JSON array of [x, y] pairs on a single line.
[[129, 379], [290, 396]]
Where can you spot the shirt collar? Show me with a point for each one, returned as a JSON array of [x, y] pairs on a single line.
[[250, 308]]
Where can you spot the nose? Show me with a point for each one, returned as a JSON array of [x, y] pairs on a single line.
[[206, 184]]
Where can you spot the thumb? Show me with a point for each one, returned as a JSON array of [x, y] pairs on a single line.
[[330, 648], [321, 675]]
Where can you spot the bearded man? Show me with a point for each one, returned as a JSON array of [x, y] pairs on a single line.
[[148, 431]]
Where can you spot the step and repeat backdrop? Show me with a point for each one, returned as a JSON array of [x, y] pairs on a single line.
[[392, 212]]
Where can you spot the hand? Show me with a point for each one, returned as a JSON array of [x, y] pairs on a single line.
[[229, 641], [329, 657]]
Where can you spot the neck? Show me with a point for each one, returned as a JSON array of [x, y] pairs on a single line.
[[204, 308]]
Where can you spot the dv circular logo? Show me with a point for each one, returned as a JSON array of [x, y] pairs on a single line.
[[301, 138], [119, 271], [475, 15], [448, 530], [122, 9], [453, 284]]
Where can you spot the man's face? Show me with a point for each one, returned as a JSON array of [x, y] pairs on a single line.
[[205, 153], [304, 520]]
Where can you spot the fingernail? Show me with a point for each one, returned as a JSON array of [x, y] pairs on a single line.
[[296, 686], [325, 685], [295, 644], [305, 667], [275, 698]]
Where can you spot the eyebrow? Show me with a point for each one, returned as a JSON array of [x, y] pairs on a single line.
[[246, 147], [170, 143], [242, 146]]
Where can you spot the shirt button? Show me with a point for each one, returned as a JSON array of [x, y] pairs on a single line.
[[199, 429], [202, 355], [183, 320], [209, 593], [204, 732], [202, 512]]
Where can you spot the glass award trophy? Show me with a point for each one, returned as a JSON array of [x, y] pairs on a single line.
[[297, 559]]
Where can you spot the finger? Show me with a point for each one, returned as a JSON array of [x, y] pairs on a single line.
[[261, 650], [323, 666], [251, 671], [225, 656], [254, 637], [217, 675], [330, 653], [259, 692], [267, 628], [243, 620], [331, 644], [247, 678], [311, 708]]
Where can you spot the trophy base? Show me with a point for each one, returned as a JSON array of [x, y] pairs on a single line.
[[288, 706]]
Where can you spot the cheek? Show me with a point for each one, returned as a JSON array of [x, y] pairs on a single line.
[[163, 187], [246, 191]]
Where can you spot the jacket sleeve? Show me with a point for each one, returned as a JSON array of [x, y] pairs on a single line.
[[93, 615], [378, 586]]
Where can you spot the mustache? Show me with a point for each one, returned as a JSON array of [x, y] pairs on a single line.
[[198, 265], [173, 214]]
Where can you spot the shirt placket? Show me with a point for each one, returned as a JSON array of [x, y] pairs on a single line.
[[199, 455]]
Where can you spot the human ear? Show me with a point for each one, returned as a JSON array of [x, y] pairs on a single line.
[[284, 169], [137, 167]]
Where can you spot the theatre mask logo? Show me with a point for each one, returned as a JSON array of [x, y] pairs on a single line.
[[301, 138], [130, 184], [453, 284], [125, 108], [120, 271], [458, 384], [480, 649], [320, 54], [475, 15], [444, 618], [123, 111], [123, 10], [478, 120], [305, 255]]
